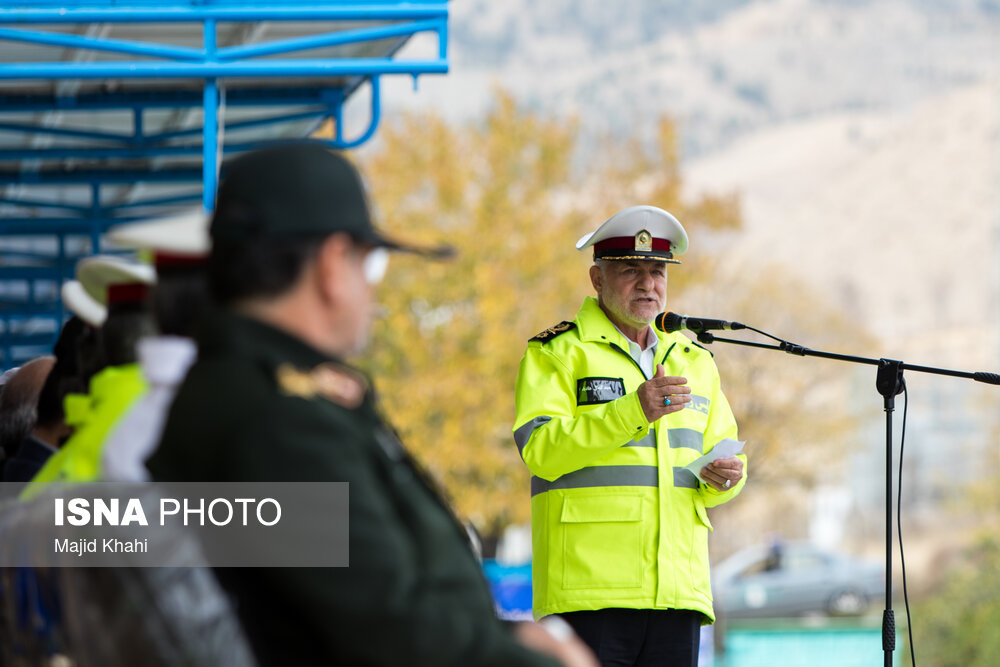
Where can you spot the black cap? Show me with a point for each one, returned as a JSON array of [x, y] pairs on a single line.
[[297, 189]]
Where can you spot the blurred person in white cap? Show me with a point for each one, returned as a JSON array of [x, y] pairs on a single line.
[[609, 411], [122, 286], [88, 314], [178, 246]]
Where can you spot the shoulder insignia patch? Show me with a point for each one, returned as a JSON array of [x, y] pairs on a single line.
[[328, 381], [552, 332]]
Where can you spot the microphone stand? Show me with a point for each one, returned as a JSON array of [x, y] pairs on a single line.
[[889, 383]]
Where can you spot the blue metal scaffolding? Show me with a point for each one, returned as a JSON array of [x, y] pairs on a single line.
[[119, 110]]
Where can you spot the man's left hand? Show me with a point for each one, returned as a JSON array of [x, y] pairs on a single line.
[[717, 473]]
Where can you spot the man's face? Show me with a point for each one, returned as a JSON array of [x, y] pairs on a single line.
[[632, 292], [344, 293], [360, 298]]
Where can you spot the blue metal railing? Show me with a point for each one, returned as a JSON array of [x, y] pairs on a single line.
[[283, 77]]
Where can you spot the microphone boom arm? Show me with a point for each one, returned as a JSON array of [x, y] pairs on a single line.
[[707, 338]]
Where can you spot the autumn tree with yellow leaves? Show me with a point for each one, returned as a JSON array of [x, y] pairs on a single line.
[[506, 193]]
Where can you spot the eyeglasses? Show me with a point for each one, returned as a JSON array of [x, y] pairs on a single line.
[[375, 264]]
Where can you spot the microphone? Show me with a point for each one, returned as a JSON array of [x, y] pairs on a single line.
[[670, 322]]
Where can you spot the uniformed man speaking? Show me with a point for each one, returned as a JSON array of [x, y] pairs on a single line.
[[609, 411]]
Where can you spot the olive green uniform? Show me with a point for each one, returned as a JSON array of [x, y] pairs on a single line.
[[261, 405]]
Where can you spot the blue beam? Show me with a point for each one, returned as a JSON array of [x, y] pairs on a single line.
[[303, 12], [210, 127], [37, 256], [27, 128], [138, 152], [304, 67], [38, 203], [163, 99], [376, 114], [27, 273], [110, 153], [87, 176], [8, 308], [71, 41], [239, 125], [42, 226], [329, 39], [161, 201]]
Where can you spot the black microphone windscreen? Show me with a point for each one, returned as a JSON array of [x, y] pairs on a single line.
[[670, 322]]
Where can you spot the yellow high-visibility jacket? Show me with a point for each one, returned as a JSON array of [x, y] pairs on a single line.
[[113, 390], [616, 520]]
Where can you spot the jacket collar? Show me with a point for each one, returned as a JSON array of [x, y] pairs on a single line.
[[106, 381], [229, 333], [594, 326]]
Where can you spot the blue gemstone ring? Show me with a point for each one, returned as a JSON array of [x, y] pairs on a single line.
[[666, 401]]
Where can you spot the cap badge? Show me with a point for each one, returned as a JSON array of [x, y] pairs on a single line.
[[644, 241]]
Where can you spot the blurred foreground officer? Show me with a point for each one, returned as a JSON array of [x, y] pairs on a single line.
[[293, 262], [609, 411]]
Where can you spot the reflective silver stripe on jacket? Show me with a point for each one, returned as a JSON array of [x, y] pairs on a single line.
[[599, 476], [684, 478], [648, 440], [685, 437], [523, 432]]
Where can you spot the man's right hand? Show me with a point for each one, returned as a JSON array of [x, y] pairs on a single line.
[[653, 391]]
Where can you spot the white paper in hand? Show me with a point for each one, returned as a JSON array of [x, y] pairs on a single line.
[[723, 450]]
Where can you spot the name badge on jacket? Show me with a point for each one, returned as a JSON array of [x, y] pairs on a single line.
[[591, 391]]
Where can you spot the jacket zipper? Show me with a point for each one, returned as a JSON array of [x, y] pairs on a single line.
[[636, 363]]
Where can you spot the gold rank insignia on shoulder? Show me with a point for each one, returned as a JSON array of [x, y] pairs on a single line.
[[643, 241], [552, 332], [329, 381]]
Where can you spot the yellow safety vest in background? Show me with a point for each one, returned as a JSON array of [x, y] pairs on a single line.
[[616, 520], [113, 390]]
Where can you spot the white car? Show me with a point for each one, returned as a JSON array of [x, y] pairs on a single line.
[[793, 578]]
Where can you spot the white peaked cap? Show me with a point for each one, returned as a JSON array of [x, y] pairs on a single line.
[[81, 304], [639, 232], [182, 234], [99, 272]]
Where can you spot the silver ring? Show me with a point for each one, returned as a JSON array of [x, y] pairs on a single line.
[[666, 400], [728, 484]]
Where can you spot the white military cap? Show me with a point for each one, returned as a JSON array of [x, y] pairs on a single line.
[[639, 232], [184, 234], [109, 279], [81, 304]]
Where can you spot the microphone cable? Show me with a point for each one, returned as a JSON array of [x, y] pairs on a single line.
[[899, 527], [791, 348]]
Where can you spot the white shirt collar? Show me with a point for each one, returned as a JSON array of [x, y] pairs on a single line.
[[643, 357]]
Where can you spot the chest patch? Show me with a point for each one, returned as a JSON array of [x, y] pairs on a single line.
[[591, 391], [699, 403]]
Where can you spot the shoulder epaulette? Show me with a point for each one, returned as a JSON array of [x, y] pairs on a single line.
[[336, 383], [552, 332]]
